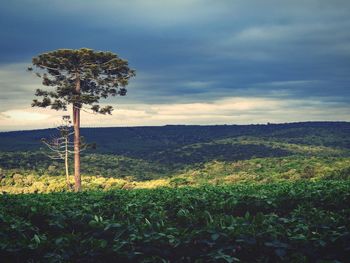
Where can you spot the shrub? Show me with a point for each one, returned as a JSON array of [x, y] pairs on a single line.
[[179, 181]]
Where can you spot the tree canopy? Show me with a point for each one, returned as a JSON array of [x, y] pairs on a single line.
[[101, 74]]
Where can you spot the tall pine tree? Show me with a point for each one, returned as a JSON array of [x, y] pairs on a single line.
[[80, 77]]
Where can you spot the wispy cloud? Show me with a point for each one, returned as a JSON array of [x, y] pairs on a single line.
[[243, 110], [24, 116], [16, 86]]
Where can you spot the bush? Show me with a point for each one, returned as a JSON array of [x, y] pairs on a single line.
[[38, 187], [342, 174], [179, 181], [308, 172], [57, 186]]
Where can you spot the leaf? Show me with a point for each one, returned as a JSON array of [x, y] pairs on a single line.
[[215, 236], [103, 243], [209, 216], [59, 240], [148, 222], [37, 238]]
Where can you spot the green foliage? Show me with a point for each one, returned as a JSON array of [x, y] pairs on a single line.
[[343, 173], [296, 167], [248, 194], [279, 222], [141, 142], [98, 74], [92, 164], [150, 153], [18, 183], [115, 172], [179, 181]]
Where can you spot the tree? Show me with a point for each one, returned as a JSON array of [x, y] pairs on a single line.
[[80, 77], [60, 146]]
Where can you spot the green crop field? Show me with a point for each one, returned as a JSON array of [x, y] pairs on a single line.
[[289, 222]]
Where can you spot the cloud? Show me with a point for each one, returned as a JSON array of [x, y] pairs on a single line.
[[287, 42], [24, 116], [290, 83], [191, 53], [16, 86], [3, 116], [151, 14], [243, 110]]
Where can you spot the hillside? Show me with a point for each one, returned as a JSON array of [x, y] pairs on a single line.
[[138, 141], [182, 155]]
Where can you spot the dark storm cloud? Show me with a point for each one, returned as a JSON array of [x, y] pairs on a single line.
[[194, 50]]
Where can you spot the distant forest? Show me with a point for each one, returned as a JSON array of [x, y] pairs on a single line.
[[141, 141], [146, 153]]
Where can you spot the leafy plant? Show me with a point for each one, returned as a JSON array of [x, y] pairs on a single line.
[[278, 222]]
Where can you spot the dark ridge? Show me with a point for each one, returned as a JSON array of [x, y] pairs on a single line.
[[136, 141]]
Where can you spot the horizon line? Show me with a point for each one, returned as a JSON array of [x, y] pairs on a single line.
[[198, 125]]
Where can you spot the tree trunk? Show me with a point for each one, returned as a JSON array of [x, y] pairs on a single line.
[[66, 164], [76, 124]]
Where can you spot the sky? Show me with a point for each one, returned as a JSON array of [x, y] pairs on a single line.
[[197, 61]]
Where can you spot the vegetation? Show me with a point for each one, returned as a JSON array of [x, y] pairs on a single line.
[[80, 77], [107, 172], [60, 147], [289, 222], [187, 155], [140, 142], [266, 193]]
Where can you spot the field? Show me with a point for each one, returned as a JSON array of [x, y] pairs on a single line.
[[290, 222], [253, 193]]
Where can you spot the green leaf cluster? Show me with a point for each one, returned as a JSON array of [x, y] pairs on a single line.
[[99, 74]]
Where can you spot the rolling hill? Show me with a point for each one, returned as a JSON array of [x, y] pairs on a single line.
[[182, 155]]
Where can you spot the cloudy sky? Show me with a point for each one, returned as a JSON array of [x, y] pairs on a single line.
[[197, 61]]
